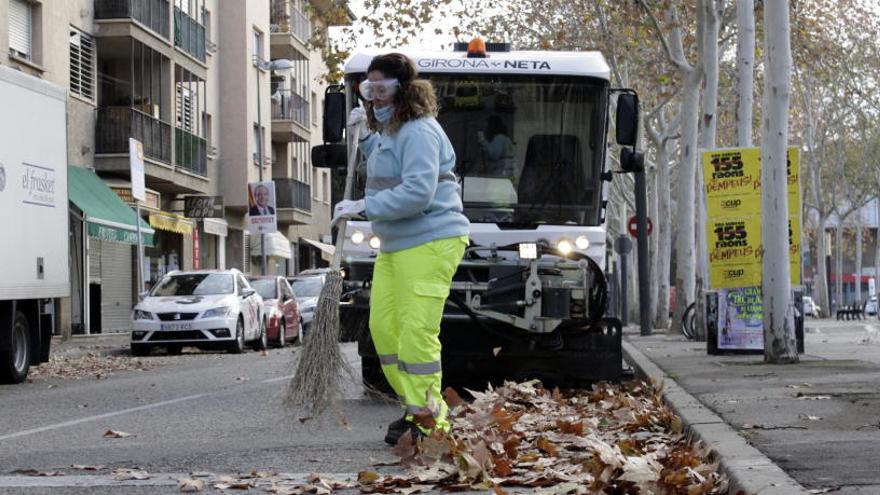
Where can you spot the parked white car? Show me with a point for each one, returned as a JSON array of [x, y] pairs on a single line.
[[810, 307], [204, 309], [871, 306]]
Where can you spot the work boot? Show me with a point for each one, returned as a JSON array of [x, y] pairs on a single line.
[[396, 429]]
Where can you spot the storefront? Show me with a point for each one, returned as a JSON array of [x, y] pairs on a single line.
[[277, 253], [210, 249], [103, 252], [173, 234]]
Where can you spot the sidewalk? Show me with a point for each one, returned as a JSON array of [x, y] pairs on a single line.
[[106, 344], [819, 420]]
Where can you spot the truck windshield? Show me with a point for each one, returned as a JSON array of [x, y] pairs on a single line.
[[529, 149], [196, 284]]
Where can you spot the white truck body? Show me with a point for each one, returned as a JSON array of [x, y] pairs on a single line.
[[33, 200]]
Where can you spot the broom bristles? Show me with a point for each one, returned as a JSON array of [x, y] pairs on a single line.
[[316, 383]]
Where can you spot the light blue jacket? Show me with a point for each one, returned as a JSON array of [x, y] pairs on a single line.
[[412, 196]]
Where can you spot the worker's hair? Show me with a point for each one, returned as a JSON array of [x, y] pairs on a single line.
[[414, 99]]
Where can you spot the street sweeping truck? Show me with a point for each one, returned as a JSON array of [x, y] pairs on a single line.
[[529, 130], [33, 219]]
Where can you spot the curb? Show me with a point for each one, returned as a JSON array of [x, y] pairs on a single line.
[[748, 470]]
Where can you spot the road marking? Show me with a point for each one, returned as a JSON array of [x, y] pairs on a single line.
[[100, 416], [156, 479]]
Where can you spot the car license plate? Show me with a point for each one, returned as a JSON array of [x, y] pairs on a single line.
[[177, 326]]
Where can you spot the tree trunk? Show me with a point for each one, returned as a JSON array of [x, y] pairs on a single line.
[[877, 254], [779, 339], [685, 242], [709, 26], [838, 265], [745, 67], [654, 244], [820, 293], [858, 275], [663, 231]]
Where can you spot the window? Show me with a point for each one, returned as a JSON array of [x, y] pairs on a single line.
[[21, 29], [258, 44], [184, 108], [82, 63], [314, 108]]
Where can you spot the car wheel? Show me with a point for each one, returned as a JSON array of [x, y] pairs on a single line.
[[140, 350], [237, 346], [262, 341], [281, 337], [174, 350], [16, 359]]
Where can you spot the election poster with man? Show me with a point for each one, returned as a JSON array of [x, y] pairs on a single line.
[[261, 208]]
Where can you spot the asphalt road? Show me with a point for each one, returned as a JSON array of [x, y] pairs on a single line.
[[199, 412]]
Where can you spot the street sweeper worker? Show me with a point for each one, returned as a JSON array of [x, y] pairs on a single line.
[[414, 205]]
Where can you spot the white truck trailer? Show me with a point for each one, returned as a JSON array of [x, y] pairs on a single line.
[[33, 219], [529, 298]]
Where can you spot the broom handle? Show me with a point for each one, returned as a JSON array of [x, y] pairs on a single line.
[[353, 134]]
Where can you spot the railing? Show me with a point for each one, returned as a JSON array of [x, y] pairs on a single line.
[[190, 152], [285, 18], [291, 193], [116, 124], [287, 105], [151, 13], [189, 35]]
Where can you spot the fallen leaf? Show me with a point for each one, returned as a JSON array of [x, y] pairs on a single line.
[[35, 472], [125, 474], [452, 398], [368, 477], [116, 434], [303, 419], [190, 485], [85, 467]]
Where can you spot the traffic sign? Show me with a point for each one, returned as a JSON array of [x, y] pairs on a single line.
[[633, 226]]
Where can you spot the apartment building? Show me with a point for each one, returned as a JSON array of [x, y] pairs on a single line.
[[180, 77]]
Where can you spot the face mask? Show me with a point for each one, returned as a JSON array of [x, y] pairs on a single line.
[[383, 115]]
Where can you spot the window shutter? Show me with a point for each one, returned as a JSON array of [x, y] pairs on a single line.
[[82, 56], [21, 28], [246, 262]]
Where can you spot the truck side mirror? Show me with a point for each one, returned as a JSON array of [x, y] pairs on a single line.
[[334, 115], [329, 156], [627, 119]]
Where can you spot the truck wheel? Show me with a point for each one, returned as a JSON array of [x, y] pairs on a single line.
[[16, 359]]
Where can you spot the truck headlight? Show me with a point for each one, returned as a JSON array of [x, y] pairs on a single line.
[[375, 243], [582, 242], [140, 314], [220, 312], [564, 246], [357, 237]]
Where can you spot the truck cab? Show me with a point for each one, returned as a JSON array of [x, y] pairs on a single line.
[[529, 132]]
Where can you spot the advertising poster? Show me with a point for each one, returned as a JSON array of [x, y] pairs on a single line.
[[740, 319], [261, 208], [734, 251]]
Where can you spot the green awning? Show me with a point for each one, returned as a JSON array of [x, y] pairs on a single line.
[[107, 216]]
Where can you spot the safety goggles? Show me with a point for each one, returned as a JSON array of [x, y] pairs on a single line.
[[379, 90]]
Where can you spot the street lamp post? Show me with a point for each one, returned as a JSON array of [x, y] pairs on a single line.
[[278, 65]]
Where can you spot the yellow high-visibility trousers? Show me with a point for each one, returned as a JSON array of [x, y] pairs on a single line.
[[408, 293]]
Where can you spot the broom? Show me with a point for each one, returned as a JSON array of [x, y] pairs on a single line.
[[315, 385]]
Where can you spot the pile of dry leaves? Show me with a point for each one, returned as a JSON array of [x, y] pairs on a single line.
[[611, 439], [88, 366]]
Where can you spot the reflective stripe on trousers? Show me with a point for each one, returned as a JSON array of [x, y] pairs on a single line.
[[408, 293]]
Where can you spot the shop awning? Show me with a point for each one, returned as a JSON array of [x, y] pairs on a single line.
[[171, 222], [276, 245], [108, 218], [327, 250]]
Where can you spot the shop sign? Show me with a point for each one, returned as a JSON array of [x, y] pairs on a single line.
[[196, 248], [215, 227], [113, 234], [203, 206], [124, 193]]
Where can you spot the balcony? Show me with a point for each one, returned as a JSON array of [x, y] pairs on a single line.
[[294, 201], [116, 124], [153, 14], [290, 117], [190, 152], [189, 35], [291, 31]]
